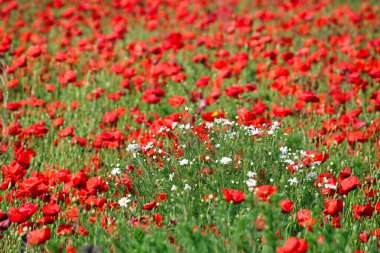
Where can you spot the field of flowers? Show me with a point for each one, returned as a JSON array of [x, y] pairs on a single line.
[[190, 126]]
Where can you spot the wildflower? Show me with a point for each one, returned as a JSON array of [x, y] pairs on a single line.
[[305, 219], [253, 131], [149, 206], [115, 171], [251, 174], [209, 125], [184, 162], [263, 192], [348, 185], [333, 207], [293, 244], [251, 183], [187, 187], [289, 161], [171, 176], [364, 236], [133, 147], [38, 236], [284, 150], [235, 196], [123, 202], [363, 211], [311, 176], [148, 146], [293, 181], [225, 160], [286, 205], [174, 188]]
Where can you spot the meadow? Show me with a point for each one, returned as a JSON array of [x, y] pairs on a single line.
[[190, 126]]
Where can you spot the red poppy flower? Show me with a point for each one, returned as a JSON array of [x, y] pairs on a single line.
[[363, 211], [364, 236], [211, 116], [348, 185], [12, 83], [38, 236], [286, 205], [293, 245], [149, 206], [235, 196], [161, 197], [304, 219], [281, 112], [234, 90], [95, 184], [335, 222], [51, 209], [34, 51], [333, 207], [259, 108], [176, 101], [263, 192], [65, 229], [14, 106], [345, 173], [308, 96], [82, 231], [153, 96], [66, 132], [109, 118], [69, 77], [357, 136], [23, 213], [19, 62], [202, 82]]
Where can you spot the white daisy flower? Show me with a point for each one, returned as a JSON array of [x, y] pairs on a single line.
[[225, 160], [123, 202], [251, 183], [148, 146], [133, 147], [293, 181], [251, 174], [184, 162], [209, 125], [115, 171], [284, 150]]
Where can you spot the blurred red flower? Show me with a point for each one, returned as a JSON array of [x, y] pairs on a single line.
[[286, 205], [235, 196], [263, 192], [293, 245], [38, 236]]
